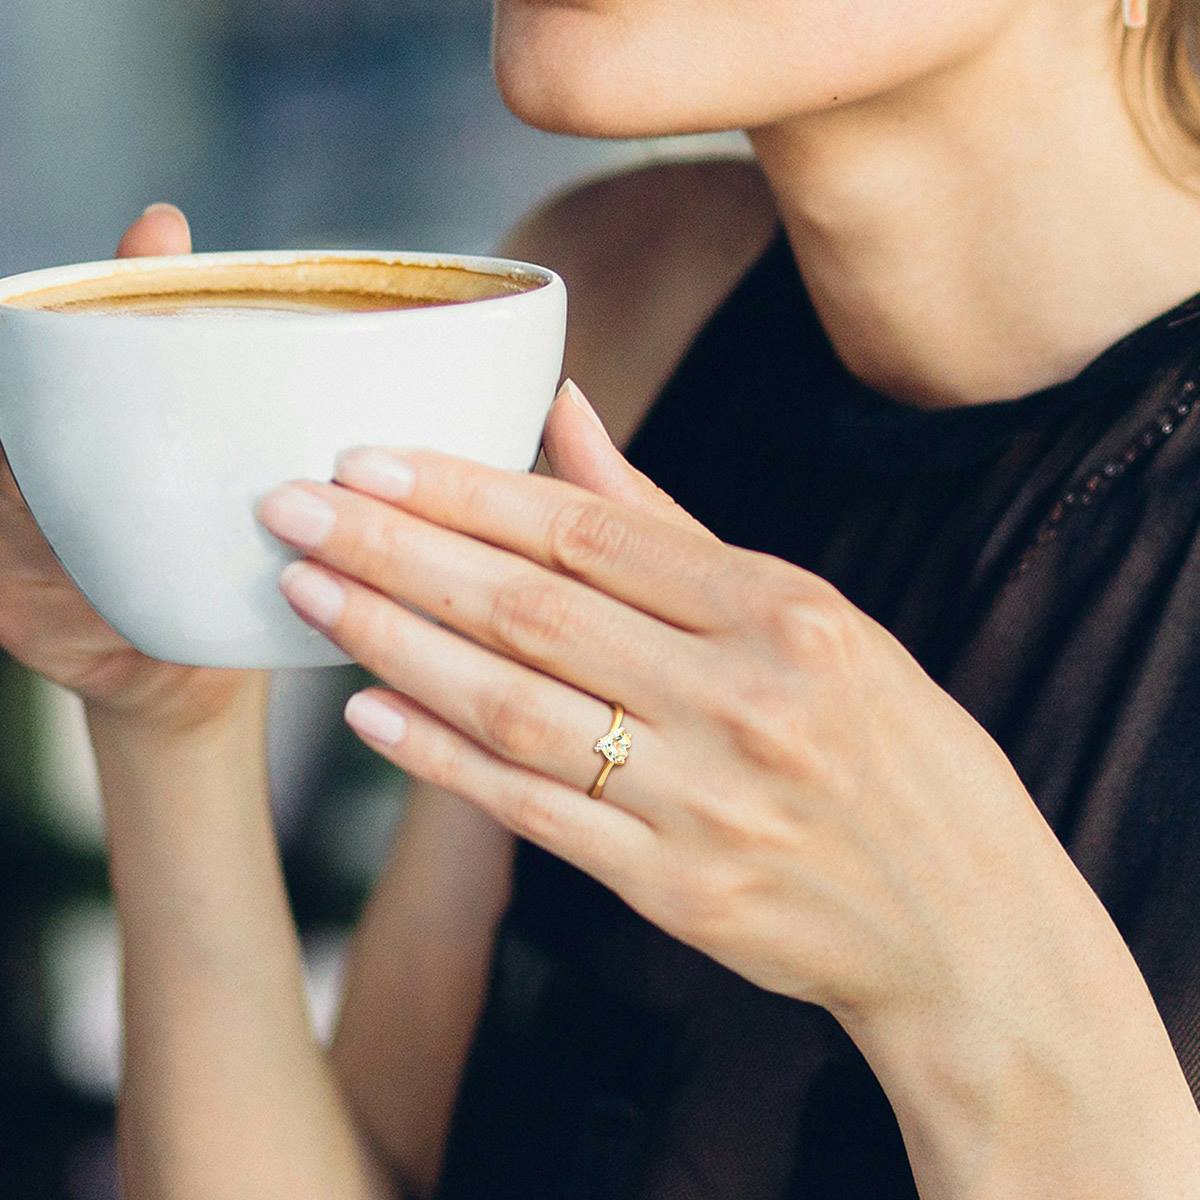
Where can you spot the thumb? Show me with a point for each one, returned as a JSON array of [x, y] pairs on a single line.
[[579, 451], [161, 229]]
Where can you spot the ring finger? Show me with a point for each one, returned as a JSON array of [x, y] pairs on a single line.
[[516, 712], [610, 843]]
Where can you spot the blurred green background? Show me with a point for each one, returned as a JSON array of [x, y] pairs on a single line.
[[274, 123]]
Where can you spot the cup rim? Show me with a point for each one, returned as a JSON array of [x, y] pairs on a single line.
[[44, 278]]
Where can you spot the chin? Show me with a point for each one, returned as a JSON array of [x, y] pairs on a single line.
[[550, 100], [555, 105], [569, 68], [594, 103]]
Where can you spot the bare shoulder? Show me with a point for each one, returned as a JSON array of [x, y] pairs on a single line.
[[647, 256]]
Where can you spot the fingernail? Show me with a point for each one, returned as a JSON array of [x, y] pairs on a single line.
[[160, 206], [314, 592], [296, 515], [1135, 13], [571, 388], [379, 472], [375, 718]]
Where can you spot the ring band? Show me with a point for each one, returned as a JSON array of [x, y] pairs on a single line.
[[614, 745]]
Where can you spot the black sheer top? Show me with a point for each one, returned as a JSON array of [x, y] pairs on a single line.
[[1041, 558]]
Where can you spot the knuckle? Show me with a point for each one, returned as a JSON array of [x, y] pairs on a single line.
[[369, 626], [509, 722], [532, 814], [813, 626], [441, 763], [379, 545], [462, 485], [529, 615], [698, 902], [721, 820], [766, 720], [586, 535], [674, 905]]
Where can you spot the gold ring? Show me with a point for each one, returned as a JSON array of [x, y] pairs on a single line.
[[614, 745]]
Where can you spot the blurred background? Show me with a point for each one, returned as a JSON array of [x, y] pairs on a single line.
[[273, 123]]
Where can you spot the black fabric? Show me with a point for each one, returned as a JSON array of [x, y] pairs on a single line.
[[1040, 558]]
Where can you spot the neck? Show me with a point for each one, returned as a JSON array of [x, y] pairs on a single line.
[[986, 233]]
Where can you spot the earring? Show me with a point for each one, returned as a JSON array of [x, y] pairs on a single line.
[[1135, 13]]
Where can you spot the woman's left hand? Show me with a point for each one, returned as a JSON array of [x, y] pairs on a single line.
[[801, 801]]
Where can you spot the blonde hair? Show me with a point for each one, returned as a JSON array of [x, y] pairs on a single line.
[[1162, 84]]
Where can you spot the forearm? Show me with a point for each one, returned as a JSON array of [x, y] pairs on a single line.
[[416, 978], [225, 1090], [1053, 1079]]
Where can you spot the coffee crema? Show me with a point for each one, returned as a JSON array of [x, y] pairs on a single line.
[[308, 287]]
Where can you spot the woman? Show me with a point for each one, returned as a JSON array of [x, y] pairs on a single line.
[[894, 891]]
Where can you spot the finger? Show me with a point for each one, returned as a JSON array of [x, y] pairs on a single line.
[[610, 844], [683, 577], [555, 625], [520, 715], [161, 229], [579, 451]]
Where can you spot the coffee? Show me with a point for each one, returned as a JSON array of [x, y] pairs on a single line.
[[176, 304], [306, 288]]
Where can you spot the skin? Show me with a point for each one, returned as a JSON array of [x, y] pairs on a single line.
[[46, 623], [893, 135], [563, 598], [877, 831], [885, 134]]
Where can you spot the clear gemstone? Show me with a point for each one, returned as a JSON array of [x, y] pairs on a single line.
[[615, 746]]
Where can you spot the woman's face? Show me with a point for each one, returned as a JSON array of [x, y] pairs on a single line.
[[641, 68]]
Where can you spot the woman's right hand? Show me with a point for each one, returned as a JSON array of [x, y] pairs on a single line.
[[46, 623]]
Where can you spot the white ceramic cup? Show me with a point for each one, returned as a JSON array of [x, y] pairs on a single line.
[[142, 444]]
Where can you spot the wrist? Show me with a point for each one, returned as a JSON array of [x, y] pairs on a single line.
[[163, 786], [187, 816], [244, 712], [1050, 1074]]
